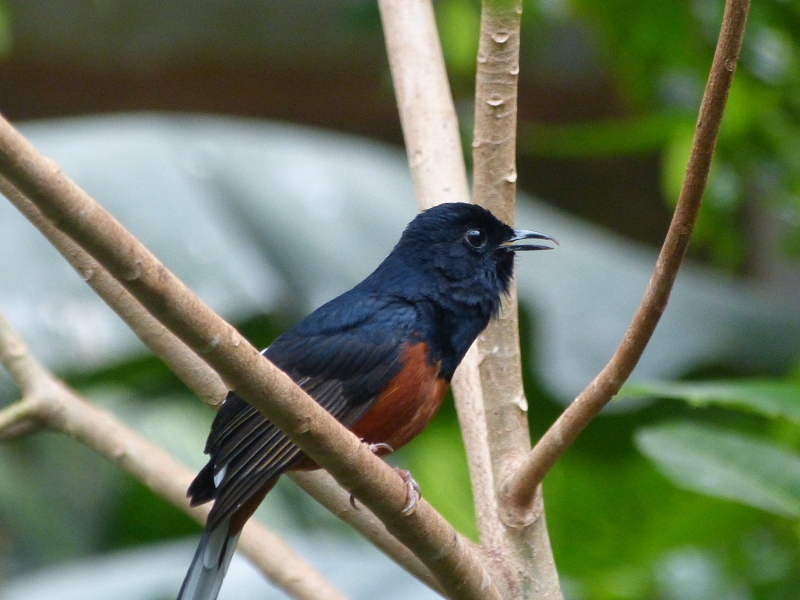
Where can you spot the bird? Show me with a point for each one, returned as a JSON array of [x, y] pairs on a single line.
[[379, 358]]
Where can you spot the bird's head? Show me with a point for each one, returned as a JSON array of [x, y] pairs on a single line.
[[466, 251]]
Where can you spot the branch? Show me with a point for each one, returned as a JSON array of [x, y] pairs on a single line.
[[51, 404], [425, 105], [193, 372], [424, 101], [271, 391], [324, 489], [505, 405], [417, 66], [494, 186], [199, 378], [608, 382]]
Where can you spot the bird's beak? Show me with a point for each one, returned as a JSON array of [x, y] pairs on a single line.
[[521, 234]]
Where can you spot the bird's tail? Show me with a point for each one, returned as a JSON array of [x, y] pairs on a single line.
[[210, 563]]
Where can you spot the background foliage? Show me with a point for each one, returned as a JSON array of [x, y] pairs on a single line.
[[691, 494]]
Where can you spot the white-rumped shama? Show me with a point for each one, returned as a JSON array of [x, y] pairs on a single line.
[[378, 358]]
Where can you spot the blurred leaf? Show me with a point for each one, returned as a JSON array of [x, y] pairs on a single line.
[[674, 160], [54, 496], [611, 520], [768, 397], [6, 32], [641, 38], [594, 139], [459, 23], [141, 517], [725, 464]]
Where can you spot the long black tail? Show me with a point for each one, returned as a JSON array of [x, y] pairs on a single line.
[[210, 563]]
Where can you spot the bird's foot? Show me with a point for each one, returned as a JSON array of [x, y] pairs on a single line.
[[412, 490], [380, 450]]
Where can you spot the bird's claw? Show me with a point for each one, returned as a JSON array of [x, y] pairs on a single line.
[[379, 449], [412, 490]]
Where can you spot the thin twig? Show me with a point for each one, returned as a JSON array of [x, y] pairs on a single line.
[[19, 418], [323, 439], [608, 382], [53, 405]]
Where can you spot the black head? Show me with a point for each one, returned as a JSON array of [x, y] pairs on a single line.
[[463, 254]]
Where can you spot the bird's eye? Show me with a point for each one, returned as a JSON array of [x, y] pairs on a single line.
[[476, 238]]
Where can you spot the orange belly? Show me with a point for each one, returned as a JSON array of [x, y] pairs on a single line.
[[407, 404]]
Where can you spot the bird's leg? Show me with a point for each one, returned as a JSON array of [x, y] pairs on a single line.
[[380, 450], [412, 490], [412, 487]]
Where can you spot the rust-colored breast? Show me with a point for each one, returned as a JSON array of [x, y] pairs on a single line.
[[407, 404]]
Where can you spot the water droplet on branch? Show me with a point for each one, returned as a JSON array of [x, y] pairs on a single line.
[[501, 37], [495, 100]]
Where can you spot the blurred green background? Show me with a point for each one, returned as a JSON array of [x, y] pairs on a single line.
[[693, 495]]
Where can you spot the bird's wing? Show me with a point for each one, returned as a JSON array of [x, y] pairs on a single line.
[[343, 368]]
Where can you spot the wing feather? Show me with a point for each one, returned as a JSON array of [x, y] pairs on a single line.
[[343, 369]]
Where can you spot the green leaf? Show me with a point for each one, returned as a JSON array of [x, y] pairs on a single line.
[[459, 23], [768, 397], [725, 464], [598, 139]]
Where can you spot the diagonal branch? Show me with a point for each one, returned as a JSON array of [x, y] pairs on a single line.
[[181, 360], [455, 565], [608, 382], [53, 405], [199, 378]]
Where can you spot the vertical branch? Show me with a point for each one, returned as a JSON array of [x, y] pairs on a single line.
[[430, 130], [608, 382], [494, 143], [424, 101], [433, 144], [494, 186]]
